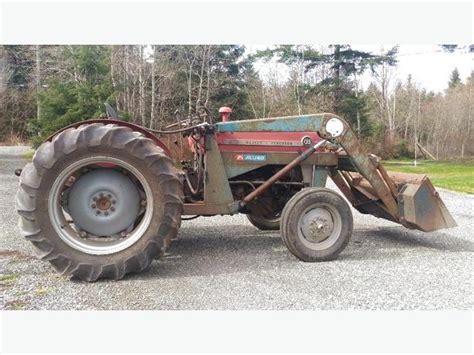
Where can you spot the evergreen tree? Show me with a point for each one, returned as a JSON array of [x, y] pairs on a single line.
[[454, 78], [346, 62], [64, 102], [343, 64]]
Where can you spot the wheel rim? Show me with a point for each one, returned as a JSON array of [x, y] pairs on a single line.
[[82, 240], [319, 226]]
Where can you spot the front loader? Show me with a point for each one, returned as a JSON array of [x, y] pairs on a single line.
[[103, 197]]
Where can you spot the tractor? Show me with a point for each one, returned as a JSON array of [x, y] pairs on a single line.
[[103, 197]]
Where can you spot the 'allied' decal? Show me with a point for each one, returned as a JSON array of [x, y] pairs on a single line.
[[251, 157]]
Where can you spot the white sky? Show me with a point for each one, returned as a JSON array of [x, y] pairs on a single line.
[[429, 65]]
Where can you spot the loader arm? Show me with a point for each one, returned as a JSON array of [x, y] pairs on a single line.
[[409, 200]]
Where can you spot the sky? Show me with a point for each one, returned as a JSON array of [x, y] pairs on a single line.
[[429, 65]]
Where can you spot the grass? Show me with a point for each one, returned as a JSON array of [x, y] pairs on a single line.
[[8, 278], [28, 154], [452, 175], [41, 291]]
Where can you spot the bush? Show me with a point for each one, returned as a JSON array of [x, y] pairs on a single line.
[[403, 150]]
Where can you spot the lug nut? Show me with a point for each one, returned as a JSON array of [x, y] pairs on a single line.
[[123, 234], [143, 202], [97, 212], [93, 206], [113, 202], [94, 198], [101, 194], [112, 209], [83, 234], [109, 195], [106, 213]]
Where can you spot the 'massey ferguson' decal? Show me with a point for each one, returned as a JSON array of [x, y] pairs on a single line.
[[251, 157], [261, 142]]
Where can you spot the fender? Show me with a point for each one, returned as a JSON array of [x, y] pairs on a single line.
[[133, 126]]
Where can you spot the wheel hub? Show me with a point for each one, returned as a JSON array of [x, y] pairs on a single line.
[[317, 225], [104, 202]]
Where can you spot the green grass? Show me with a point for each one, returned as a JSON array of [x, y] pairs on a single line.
[[451, 175], [28, 154], [8, 278], [41, 291]]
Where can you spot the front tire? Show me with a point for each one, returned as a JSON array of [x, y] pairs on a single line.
[[316, 224], [45, 185]]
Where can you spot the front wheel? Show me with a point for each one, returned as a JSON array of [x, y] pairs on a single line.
[[316, 224]]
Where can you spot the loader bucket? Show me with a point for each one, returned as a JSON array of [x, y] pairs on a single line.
[[419, 204], [415, 202]]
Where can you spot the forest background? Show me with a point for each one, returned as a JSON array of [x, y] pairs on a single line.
[[44, 88]]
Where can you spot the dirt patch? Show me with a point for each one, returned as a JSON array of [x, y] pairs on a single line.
[[15, 305], [15, 254]]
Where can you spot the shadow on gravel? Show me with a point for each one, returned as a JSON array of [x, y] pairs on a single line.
[[402, 238], [205, 251]]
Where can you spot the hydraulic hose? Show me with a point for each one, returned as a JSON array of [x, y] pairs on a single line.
[[185, 129]]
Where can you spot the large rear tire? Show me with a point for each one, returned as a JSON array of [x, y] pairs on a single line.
[[72, 155]]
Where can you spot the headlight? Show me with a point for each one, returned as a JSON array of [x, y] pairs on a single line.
[[334, 127]]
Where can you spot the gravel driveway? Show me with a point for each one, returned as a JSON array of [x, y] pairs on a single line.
[[225, 263]]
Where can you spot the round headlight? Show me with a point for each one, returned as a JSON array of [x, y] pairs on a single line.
[[334, 127]]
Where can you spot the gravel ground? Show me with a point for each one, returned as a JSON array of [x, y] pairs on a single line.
[[225, 263]]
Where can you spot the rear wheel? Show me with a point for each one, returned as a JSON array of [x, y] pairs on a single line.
[[264, 222], [99, 201], [316, 224]]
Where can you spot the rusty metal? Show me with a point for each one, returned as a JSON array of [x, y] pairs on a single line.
[[262, 188], [342, 184], [422, 208], [209, 209], [368, 170], [388, 181], [259, 182], [216, 189]]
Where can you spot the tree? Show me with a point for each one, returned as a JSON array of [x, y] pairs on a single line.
[[81, 97], [454, 78], [329, 76], [147, 84], [17, 94]]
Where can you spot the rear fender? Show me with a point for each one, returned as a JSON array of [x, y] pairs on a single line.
[[133, 126]]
